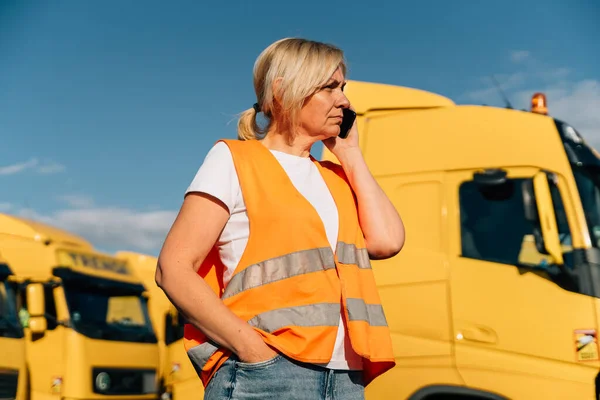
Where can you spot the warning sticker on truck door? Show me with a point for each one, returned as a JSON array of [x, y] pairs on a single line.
[[586, 344]]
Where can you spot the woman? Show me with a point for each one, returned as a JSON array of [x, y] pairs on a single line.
[[268, 258]]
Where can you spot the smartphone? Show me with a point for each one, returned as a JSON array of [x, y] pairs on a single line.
[[347, 122]]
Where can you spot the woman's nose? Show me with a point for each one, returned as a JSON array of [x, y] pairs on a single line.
[[343, 101]]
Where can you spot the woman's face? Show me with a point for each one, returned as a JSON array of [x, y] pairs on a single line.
[[321, 114]]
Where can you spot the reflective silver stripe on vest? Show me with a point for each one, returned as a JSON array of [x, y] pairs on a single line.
[[358, 310], [349, 254], [200, 354], [279, 268], [321, 314]]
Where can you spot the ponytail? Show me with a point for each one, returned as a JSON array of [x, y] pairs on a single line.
[[248, 129]]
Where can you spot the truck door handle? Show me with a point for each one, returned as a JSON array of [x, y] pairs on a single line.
[[478, 333]]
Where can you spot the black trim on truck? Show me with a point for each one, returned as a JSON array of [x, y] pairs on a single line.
[[5, 271], [439, 392]]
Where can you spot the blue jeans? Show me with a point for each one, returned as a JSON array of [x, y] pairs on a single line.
[[282, 378]]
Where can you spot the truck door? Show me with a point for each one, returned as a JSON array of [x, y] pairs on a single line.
[[520, 327], [46, 351]]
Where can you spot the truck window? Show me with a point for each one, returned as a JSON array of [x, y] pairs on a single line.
[[494, 228], [108, 310], [50, 307], [561, 217], [3, 301], [126, 310], [9, 321]]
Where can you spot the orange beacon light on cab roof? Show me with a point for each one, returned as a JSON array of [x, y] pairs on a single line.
[[539, 104]]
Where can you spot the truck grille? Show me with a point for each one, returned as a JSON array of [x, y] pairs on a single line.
[[8, 383], [123, 381]]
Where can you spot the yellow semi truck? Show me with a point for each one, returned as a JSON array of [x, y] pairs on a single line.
[[12, 340], [88, 331], [178, 379], [496, 294]]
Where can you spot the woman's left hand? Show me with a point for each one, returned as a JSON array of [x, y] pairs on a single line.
[[337, 145]]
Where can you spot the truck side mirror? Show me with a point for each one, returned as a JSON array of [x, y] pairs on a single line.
[[539, 210], [37, 308]]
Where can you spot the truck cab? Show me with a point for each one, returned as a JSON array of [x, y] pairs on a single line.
[[496, 293], [87, 326], [12, 340], [178, 379]]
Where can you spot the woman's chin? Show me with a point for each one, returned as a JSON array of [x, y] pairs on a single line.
[[331, 133], [327, 134]]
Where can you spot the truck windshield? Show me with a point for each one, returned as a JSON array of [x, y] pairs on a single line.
[[585, 163], [587, 179], [9, 321], [108, 310]]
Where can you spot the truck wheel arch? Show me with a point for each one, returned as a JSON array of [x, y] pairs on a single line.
[[439, 392]]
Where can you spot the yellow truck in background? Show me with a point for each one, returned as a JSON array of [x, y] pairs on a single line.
[[12, 340], [496, 294], [177, 376], [88, 331]]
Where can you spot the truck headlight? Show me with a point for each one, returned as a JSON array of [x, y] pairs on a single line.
[[102, 382]]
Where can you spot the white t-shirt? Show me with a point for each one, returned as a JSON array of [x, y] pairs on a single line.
[[217, 176]]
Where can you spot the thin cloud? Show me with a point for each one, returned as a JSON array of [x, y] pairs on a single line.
[[19, 167], [519, 56], [491, 93], [554, 74], [51, 168], [77, 200], [530, 72], [4, 207], [576, 103], [111, 228]]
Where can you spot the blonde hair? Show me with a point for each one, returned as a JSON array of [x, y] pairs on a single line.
[[303, 66]]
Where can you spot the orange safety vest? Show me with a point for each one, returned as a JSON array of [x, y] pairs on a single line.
[[289, 285]]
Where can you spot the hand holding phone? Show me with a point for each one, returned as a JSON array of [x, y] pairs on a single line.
[[347, 122]]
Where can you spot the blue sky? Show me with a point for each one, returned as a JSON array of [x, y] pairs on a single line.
[[108, 108]]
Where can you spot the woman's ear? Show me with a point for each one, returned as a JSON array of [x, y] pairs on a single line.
[[277, 91]]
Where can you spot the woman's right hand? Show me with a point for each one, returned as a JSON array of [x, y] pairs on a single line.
[[257, 351]]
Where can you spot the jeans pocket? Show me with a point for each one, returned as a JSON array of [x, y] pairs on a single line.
[[259, 364], [221, 383]]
